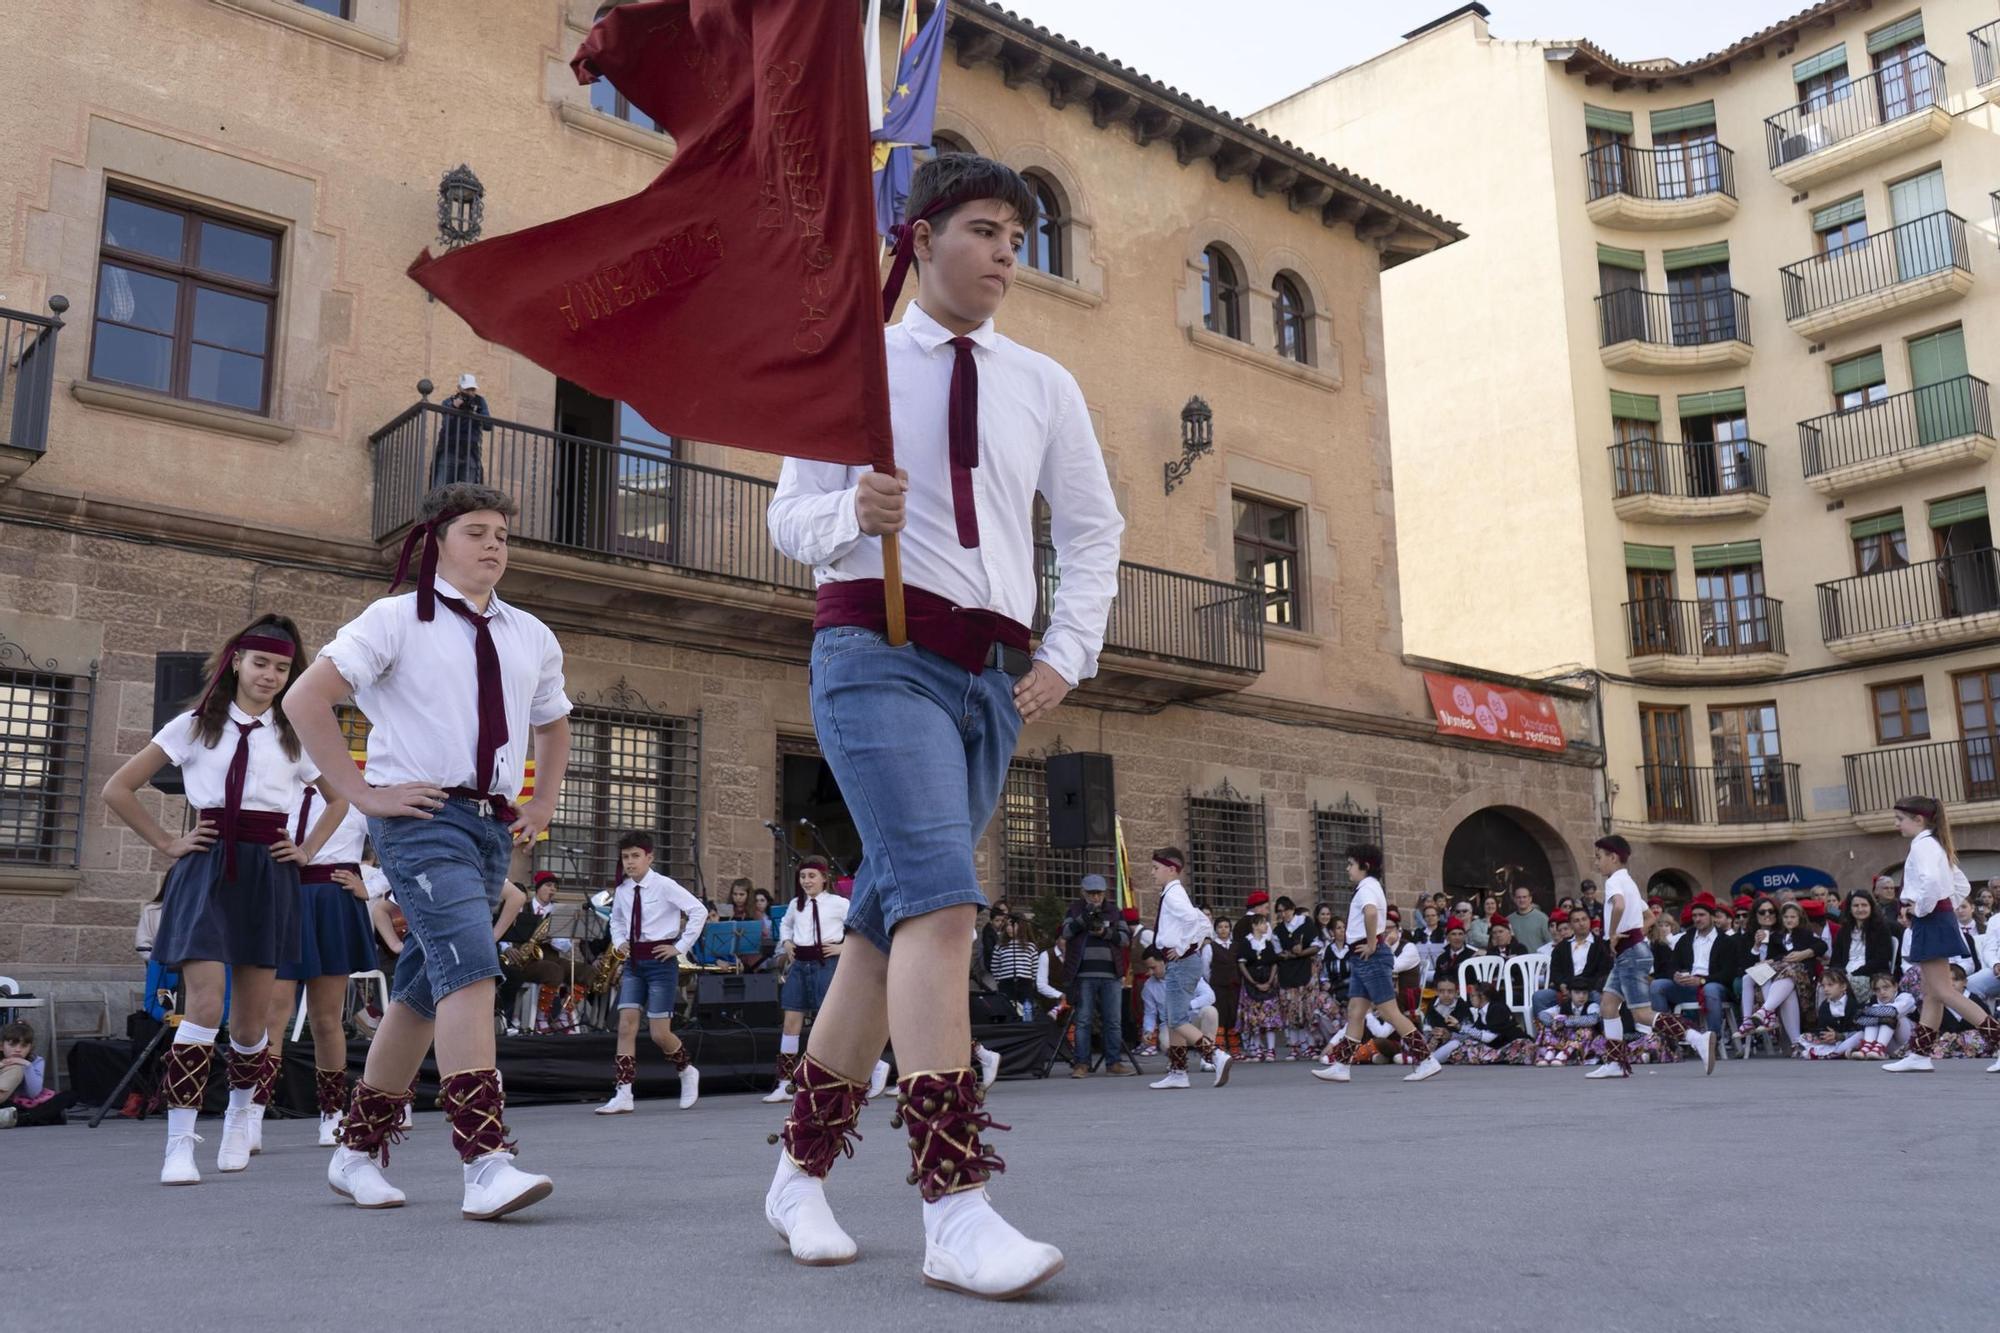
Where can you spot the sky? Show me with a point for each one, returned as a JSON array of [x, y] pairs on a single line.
[[1268, 48]]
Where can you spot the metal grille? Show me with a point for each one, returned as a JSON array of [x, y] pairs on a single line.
[[630, 767], [1029, 867], [1335, 829], [1227, 856], [354, 729], [44, 754]]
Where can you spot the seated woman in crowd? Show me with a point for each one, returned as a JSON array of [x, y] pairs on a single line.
[[1258, 1013], [1793, 953], [1862, 945], [1836, 1028], [1569, 1027]]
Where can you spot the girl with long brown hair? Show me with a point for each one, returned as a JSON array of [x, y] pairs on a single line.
[[1932, 886]]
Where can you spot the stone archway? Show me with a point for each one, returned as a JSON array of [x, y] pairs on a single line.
[[1496, 847], [1675, 888]]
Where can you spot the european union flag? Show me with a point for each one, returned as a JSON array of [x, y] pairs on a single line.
[[909, 117]]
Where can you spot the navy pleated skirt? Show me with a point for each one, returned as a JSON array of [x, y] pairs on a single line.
[[334, 936], [249, 921], [1936, 936]]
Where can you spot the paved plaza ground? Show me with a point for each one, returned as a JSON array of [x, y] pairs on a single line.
[[1484, 1199]]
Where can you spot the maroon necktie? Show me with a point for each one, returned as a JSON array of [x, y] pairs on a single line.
[[963, 439], [305, 812], [819, 936], [492, 699], [232, 793], [638, 914]]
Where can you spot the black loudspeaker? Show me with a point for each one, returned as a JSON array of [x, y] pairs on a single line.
[[750, 998], [990, 1006], [177, 682], [1082, 800]]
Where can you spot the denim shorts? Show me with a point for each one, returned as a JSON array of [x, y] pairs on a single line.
[[1374, 977], [1183, 978], [651, 984], [447, 872], [806, 984], [920, 749], [1632, 975]]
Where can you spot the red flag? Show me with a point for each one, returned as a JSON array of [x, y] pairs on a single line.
[[736, 299]]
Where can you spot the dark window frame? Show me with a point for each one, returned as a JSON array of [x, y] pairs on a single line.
[[1045, 248], [1903, 711], [1284, 605], [1291, 313], [1222, 293], [45, 724], [1891, 551], [673, 788], [333, 9], [1030, 869], [1228, 848]]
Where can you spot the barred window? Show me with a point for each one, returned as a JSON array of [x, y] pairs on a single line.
[[1335, 829], [1030, 868], [44, 744], [1227, 858], [630, 767], [354, 729]]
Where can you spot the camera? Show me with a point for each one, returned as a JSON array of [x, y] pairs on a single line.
[[1095, 922]]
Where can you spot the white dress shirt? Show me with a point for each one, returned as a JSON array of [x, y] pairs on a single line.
[[1631, 904], [274, 782], [668, 913], [1034, 435], [798, 924], [343, 846], [418, 684], [1368, 893], [1927, 874], [1182, 925], [1702, 950]]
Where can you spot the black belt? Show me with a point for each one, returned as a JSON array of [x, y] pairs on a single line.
[[1002, 657]]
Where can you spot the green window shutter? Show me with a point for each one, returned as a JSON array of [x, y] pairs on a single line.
[[1840, 214], [1903, 30], [1598, 118], [1937, 357], [1713, 403], [1729, 553], [1876, 526], [1634, 406], [1716, 252], [1684, 118], [1616, 258], [1649, 557], [1959, 509], [1820, 64], [1857, 372]]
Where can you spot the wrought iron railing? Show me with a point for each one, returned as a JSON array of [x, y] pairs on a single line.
[[1985, 54], [27, 375], [1688, 471], [1687, 171], [1673, 319], [585, 495], [1948, 410], [1934, 243], [1920, 594], [1718, 627], [1952, 771], [1759, 792], [1897, 89]]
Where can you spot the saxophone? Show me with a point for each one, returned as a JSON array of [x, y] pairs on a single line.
[[531, 949], [609, 969]]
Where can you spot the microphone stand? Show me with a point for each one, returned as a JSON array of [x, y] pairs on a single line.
[[819, 842]]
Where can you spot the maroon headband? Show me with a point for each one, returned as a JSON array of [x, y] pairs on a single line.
[[244, 643], [427, 568], [1170, 863], [904, 234]]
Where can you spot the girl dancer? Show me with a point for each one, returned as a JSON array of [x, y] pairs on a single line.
[[1932, 884], [1373, 983], [230, 914]]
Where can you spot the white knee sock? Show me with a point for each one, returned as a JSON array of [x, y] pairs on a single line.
[[788, 1044], [1614, 1029]]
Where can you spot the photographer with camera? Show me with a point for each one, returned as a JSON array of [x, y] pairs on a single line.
[[458, 453], [1095, 941]]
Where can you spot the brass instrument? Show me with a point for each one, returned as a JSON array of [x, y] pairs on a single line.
[[531, 949], [604, 978]]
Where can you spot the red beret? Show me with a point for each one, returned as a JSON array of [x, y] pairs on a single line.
[[1131, 916], [1687, 915], [1394, 915], [1257, 899], [543, 876], [1653, 902], [1705, 901], [1453, 923], [1499, 919], [1814, 909], [1743, 902]]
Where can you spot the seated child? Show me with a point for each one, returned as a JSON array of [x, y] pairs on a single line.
[[1493, 1035], [1569, 1030], [1444, 1019], [1885, 1020], [1957, 1037], [1836, 1029], [23, 1099]]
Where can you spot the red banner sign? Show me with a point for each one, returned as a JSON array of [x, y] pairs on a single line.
[[1498, 713]]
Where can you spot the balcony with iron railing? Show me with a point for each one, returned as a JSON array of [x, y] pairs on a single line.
[[1723, 638], [1937, 428], [27, 384], [1918, 263], [690, 543], [1659, 482], [1727, 803], [1684, 185], [1669, 332], [1959, 773], [1858, 122], [1985, 44], [1934, 604]]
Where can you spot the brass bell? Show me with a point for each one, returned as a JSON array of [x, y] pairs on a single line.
[[771, 1138], [914, 1177], [931, 1107]]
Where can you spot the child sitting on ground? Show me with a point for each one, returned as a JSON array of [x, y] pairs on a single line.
[[1885, 1021], [1836, 1029], [1958, 1037], [1493, 1035], [1569, 1033], [23, 1099]]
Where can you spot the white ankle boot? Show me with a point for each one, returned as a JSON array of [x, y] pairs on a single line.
[[797, 1210], [784, 1092], [355, 1177], [1423, 1071], [690, 1087], [1333, 1073], [620, 1103], [878, 1080], [989, 1067], [234, 1152], [968, 1247], [1176, 1078], [179, 1168], [1704, 1045], [495, 1188], [329, 1130], [1911, 1064], [257, 1110]]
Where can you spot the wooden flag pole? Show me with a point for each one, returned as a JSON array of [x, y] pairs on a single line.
[[892, 591]]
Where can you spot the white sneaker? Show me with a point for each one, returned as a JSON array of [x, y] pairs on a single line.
[[972, 1249], [179, 1168], [620, 1103], [782, 1093], [408, 1119], [1609, 1069], [1334, 1073], [1176, 1078], [1911, 1064], [796, 1208], [1704, 1045], [1207, 1068], [878, 1080], [989, 1067], [1993, 1068], [1423, 1071], [9, 1117], [355, 1177], [233, 1154], [690, 1087], [329, 1130], [257, 1128], [493, 1188], [1223, 1060]]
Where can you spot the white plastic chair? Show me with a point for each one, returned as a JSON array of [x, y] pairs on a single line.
[[1486, 967], [1526, 975], [525, 1005]]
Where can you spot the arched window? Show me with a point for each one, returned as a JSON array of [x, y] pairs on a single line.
[[1043, 248], [1221, 294], [605, 98], [1293, 319], [943, 142]]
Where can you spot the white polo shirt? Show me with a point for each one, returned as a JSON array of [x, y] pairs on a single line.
[[275, 781]]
